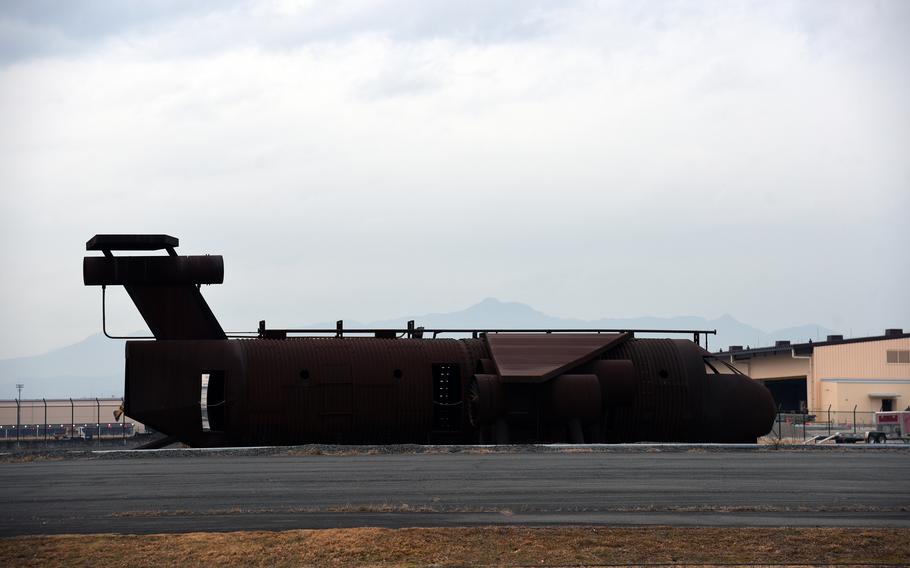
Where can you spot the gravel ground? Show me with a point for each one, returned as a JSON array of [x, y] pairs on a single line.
[[324, 486], [34, 454]]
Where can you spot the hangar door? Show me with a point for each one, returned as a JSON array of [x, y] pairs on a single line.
[[789, 393]]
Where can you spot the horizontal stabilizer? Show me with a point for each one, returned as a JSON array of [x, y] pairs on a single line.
[[538, 357], [132, 242]]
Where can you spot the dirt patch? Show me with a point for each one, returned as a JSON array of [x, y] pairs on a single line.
[[481, 546], [317, 451], [25, 458], [405, 449]]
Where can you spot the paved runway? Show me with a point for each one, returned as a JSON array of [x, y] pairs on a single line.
[[211, 492]]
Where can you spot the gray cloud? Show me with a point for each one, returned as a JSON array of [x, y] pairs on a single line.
[[47, 28], [371, 160]]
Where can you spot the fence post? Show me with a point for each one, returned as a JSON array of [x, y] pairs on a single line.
[[123, 427], [854, 418], [98, 405], [72, 421], [805, 419], [829, 419], [779, 427]]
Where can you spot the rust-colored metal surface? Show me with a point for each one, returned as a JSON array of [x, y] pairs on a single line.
[[350, 390], [165, 289], [152, 270], [536, 358], [108, 243], [405, 386]]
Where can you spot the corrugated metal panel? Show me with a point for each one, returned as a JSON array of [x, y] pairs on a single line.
[[656, 413], [774, 366], [861, 360], [864, 362], [163, 384], [371, 390], [332, 389]]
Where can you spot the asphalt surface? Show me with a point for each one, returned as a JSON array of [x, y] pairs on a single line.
[[204, 491]]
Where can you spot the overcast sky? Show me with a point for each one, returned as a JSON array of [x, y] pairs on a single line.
[[365, 160]]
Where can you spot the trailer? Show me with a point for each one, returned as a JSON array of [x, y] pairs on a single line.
[[890, 425]]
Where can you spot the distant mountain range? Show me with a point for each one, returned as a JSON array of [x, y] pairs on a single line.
[[94, 366]]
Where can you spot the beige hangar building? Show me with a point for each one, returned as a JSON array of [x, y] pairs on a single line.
[[866, 373]]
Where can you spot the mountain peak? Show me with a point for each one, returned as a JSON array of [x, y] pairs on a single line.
[[95, 365]]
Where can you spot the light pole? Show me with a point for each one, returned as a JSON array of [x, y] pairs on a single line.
[[18, 411]]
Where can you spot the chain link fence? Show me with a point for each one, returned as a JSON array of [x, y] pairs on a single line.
[[47, 420], [818, 424], [93, 420]]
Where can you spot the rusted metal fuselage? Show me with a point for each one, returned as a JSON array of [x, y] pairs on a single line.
[[197, 385]]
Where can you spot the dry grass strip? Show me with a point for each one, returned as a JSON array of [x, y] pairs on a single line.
[[478, 546]]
